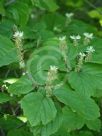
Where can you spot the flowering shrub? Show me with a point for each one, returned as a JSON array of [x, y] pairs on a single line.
[[50, 70]]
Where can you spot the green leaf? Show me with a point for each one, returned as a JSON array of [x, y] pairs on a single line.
[[85, 133], [95, 13], [37, 108], [41, 60], [4, 97], [94, 124], [56, 20], [75, 25], [61, 132], [46, 4], [2, 9], [6, 28], [81, 83], [21, 86], [19, 11], [8, 52], [72, 120], [84, 106], [9, 122], [88, 80], [19, 132], [53, 126], [97, 55], [72, 3]]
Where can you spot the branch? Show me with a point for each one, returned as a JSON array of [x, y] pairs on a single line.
[[93, 6]]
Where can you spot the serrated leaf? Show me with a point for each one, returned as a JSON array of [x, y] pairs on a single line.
[[72, 120], [94, 124], [21, 86], [88, 80], [19, 11], [8, 52], [37, 108], [84, 106], [53, 126]]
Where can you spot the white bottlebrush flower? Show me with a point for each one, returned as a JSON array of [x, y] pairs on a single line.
[[63, 38], [82, 55], [88, 35], [90, 49], [69, 15], [80, 61], [18, 35], [75, 37], [53, 68]]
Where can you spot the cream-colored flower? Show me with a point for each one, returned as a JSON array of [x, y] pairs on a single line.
[[63, 38], [88, 35], [90, 49], [82, 54], [69, 15], [75, 37], [53, 68], [18, 35]]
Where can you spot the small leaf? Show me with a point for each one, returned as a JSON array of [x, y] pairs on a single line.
[[94, 124]]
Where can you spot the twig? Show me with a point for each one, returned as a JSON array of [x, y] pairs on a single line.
[[93, 6]]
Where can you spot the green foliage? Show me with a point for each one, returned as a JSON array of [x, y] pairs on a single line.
[[4, 97], [44, 110], [55, 59], [7, 51]]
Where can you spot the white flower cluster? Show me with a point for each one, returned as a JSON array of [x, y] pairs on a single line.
[[53, 69], [87, 38], [52, 73], [18, 35], [75, 37], [69, 15], [90, 49], [63, 38], [88, 35], [82, 55], [51, 77]]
